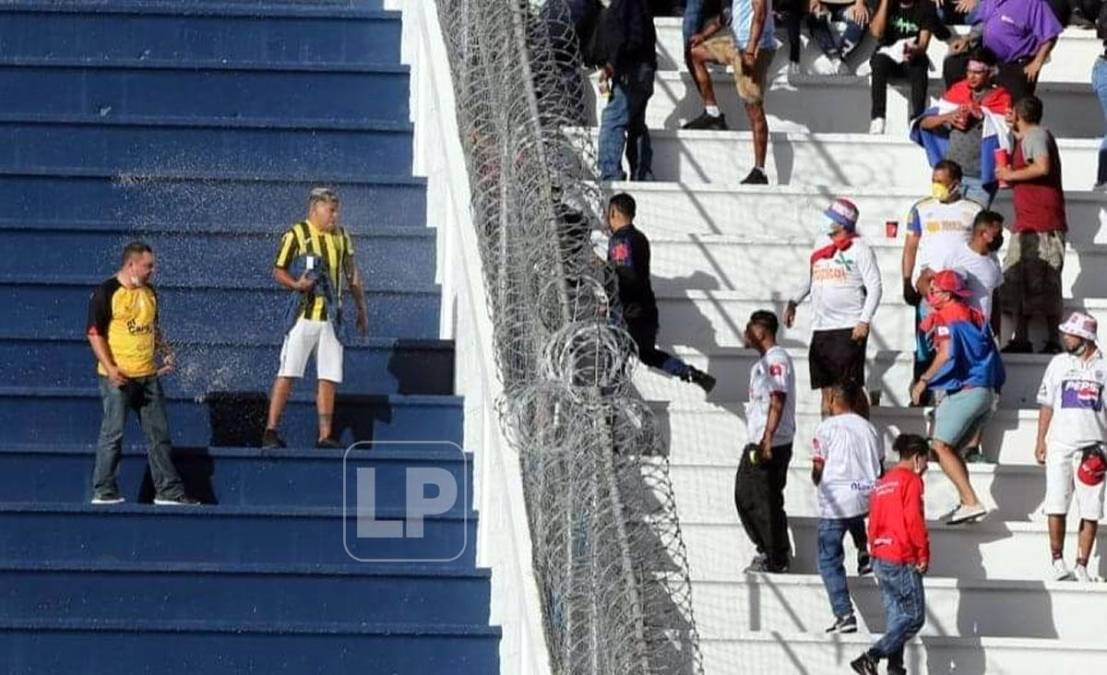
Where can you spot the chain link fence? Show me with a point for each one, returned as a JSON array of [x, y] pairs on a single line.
[[609, 557]]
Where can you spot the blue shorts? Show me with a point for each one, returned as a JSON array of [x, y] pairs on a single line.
[[962, 414]]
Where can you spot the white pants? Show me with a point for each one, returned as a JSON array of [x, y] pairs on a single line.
[[1061, 483], [307, 337]]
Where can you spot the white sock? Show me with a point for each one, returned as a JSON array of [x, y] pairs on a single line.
[[712, 110]]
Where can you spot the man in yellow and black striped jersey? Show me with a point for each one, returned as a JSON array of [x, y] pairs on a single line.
[[325, 253]]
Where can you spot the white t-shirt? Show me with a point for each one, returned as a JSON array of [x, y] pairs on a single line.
[[845, 288], [942, 229], [983, 275], [1074, 388], [851, 451], [774, 372]]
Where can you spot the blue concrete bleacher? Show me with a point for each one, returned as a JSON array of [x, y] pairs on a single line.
[[199, 126]]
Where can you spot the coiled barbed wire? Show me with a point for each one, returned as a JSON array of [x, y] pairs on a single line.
[[608, 553]]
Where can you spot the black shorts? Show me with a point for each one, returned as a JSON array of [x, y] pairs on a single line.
[[835, 357]]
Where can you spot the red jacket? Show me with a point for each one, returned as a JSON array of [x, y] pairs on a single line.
[[897, 523]]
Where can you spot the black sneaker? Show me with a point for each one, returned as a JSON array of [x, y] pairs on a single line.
[[707, 121], [756, 177], [328, 444], [864, 564], [1050, 347], [271, 441], [1018, 347], [1077, 18], [843, 625], [183, 500], [706, 381], [107, 500], [864, 664]]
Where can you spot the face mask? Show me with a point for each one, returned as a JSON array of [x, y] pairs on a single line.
[[996, 244], [941, 192]]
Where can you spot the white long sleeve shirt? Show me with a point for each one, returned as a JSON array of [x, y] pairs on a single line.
[[845, 289]]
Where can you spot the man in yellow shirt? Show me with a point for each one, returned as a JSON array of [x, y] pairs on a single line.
[[327, 254], [123, 332]]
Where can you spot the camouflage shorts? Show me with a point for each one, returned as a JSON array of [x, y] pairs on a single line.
[[1032, 274]]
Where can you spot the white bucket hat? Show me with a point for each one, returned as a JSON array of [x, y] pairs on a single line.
[[1080, 325]]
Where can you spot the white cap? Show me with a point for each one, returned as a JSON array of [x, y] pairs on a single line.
[[1080, 325]]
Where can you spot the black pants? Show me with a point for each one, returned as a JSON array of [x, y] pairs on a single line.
[[1010, 75], [759, 498], [916, 74], [644, 334], [791, 13]]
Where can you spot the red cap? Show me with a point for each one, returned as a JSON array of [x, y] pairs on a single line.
[[1092, 469], [951, 282]]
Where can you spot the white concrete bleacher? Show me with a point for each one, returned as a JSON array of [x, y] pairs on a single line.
[[721, 250]]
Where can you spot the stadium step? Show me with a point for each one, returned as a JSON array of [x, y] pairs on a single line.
[[1011, 493], [43, 415], [244, 477], [759, 652], [386, 257], [890, 372], [213, 646], [697, 317], [1071, 61], [797, 603], [776, 212], [992, 549], [222, 32], [374, 365], [736, 263], [406, 596], [184, 89], [713, 433], [250, 308], [800, 104], [196, 144], [839, 159], [186, 199], [225, 534]]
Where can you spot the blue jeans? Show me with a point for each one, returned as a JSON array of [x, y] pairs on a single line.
[[145, 398], [823, 33], [901, 587], [1099, 83], [623, 126], [972, 187], [831, 555]]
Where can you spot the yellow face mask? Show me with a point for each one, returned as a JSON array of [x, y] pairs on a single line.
[[941, 192]]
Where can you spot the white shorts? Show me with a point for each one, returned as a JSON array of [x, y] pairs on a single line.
[[1061, 483], [307, 337]]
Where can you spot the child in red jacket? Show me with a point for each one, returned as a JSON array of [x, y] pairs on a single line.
[[900, 549]]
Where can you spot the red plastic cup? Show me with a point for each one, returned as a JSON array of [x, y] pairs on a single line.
[[891, 229], [1002, 159]]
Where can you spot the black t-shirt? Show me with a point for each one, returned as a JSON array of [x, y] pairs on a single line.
[[905, 23]]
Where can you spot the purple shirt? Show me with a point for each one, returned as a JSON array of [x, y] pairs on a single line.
[[1014, 29]]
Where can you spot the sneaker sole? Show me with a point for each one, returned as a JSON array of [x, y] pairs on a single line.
[[159, 502], [107, 502]]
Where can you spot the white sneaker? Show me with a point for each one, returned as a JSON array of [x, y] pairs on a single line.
[[876, 127], [965, 514], [1080, 572], [1061, 572], [824, 65], [794, 69]]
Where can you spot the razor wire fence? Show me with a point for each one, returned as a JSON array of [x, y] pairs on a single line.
[[609, 557]]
